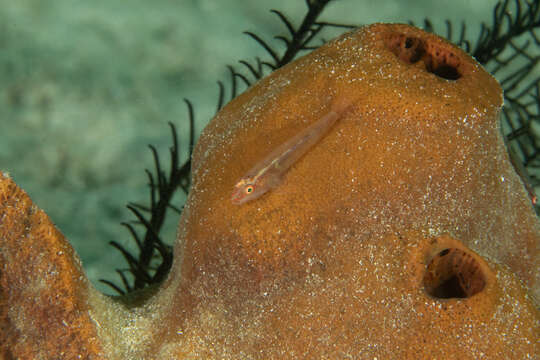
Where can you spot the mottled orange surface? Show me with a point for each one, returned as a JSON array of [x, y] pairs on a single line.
[[403, 234], [43, 309]]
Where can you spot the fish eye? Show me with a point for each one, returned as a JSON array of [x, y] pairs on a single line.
[[249, 189]]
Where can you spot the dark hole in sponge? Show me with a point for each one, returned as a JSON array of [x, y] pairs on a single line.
[[446, 72], [453, 273], [438, 61], [409, 43], [444, 252]]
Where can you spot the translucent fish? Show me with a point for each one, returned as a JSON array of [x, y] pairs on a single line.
[[268, 173]]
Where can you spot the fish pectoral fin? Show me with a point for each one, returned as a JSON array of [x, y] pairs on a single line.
[[274, 181]]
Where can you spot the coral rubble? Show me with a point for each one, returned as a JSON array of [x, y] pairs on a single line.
[[403, 234]]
